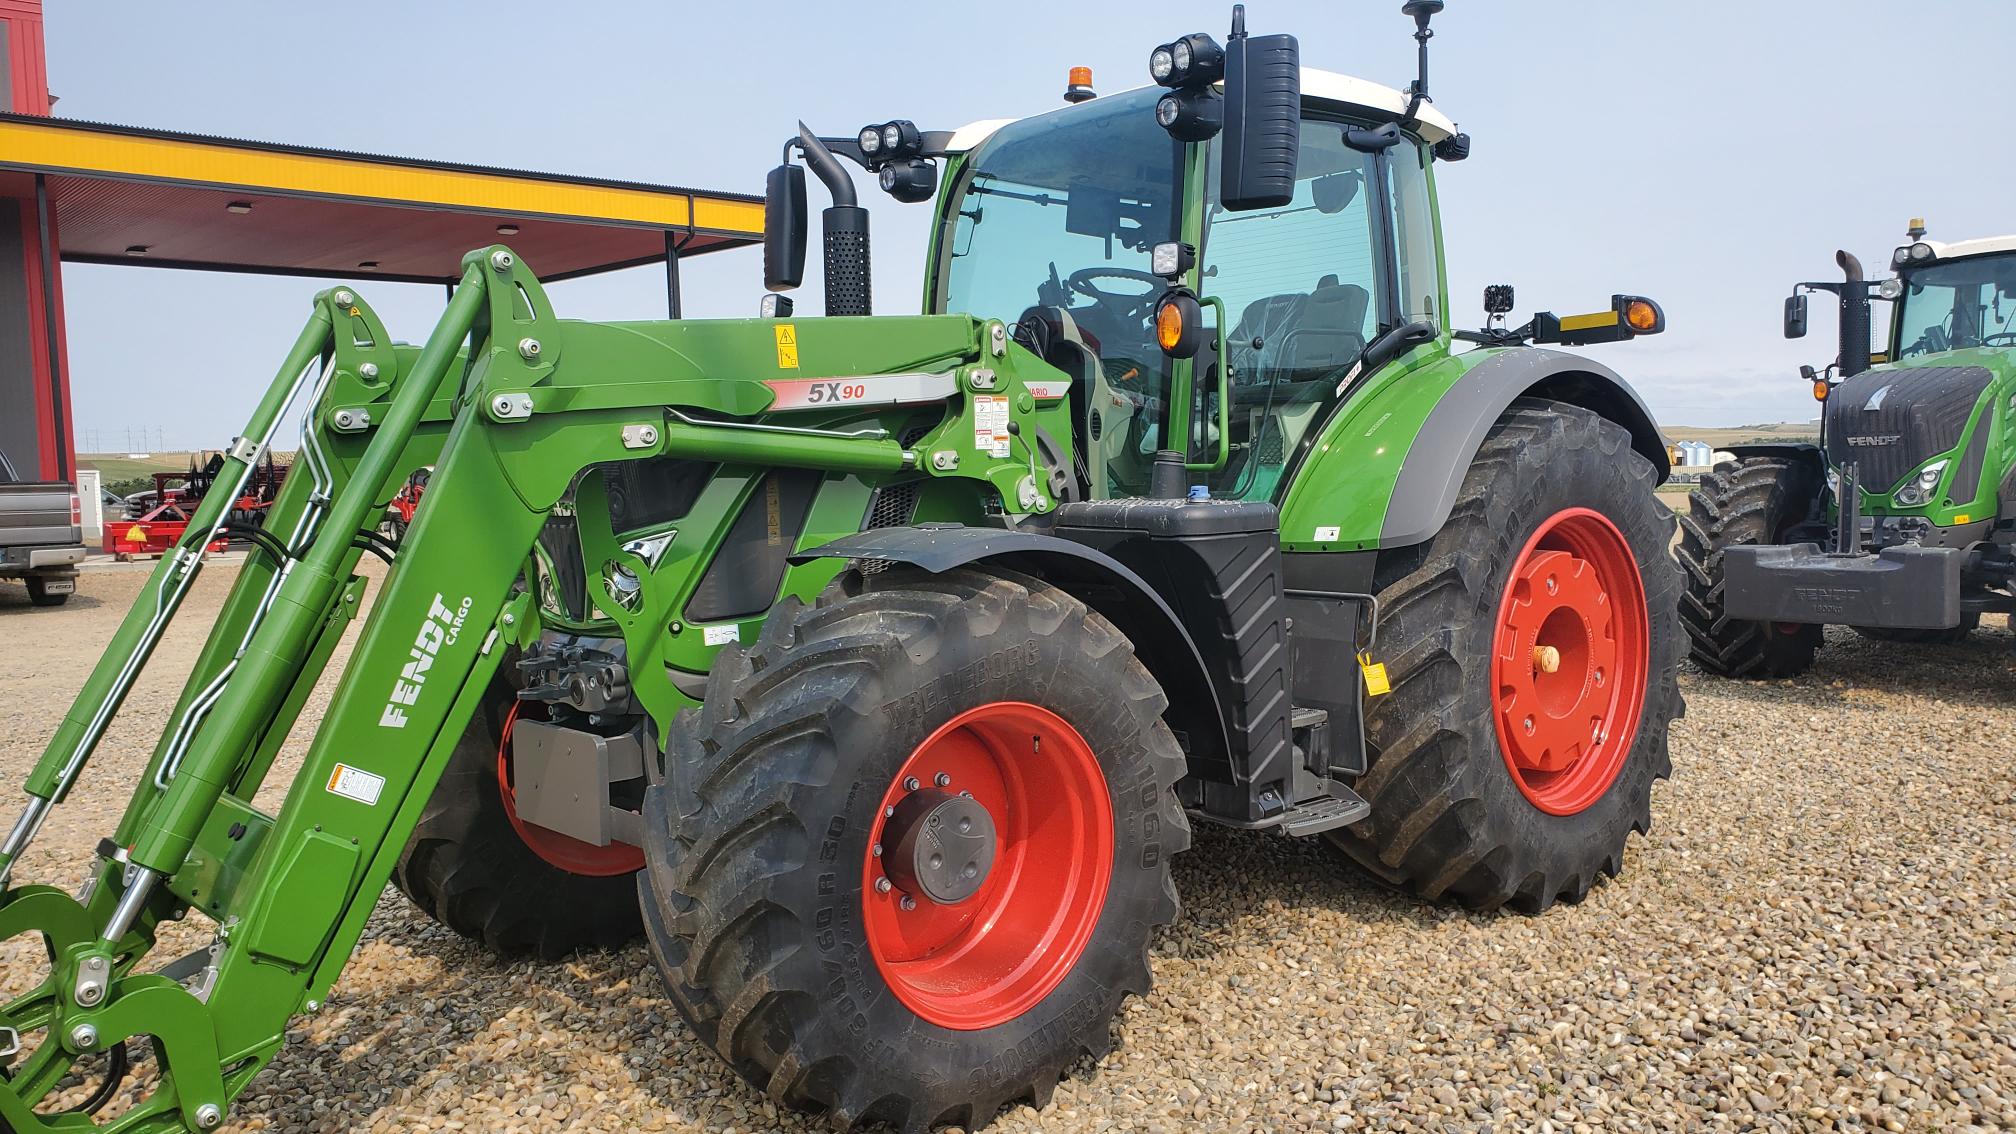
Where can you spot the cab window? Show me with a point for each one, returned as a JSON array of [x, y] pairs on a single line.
[[1414, 234], [1301, 286]]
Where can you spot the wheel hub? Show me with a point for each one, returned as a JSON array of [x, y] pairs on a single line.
[[939, 846], [1570, 661]]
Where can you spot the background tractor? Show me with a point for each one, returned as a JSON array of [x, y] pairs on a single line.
[[1900, 522], [876, 668]]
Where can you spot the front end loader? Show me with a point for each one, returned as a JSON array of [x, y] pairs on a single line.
[[875, 668]]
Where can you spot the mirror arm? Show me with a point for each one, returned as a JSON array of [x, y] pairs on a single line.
[[1224, 416]]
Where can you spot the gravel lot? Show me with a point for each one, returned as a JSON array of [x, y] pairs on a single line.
[[1818, 935]]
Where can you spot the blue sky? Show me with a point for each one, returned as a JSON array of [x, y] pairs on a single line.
[[1707, 154]]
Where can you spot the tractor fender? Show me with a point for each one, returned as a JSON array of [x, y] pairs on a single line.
[[1439, 457], [1094, 578]]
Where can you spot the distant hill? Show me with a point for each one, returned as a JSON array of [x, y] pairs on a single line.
[[1742, 434]]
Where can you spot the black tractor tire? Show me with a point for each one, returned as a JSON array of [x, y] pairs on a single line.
[[1450, 819], [755, 892], [1945, 636], [40, 595], [467, 867], [1752, 500]]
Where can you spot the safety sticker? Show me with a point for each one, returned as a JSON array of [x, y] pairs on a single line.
[[1377, 684], [357, 784], [1328, 534], [787, 347], [990, 424], [722, 635]]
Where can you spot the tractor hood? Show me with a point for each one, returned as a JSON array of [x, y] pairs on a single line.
[[1891, 420]]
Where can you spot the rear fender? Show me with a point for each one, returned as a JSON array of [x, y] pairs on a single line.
[[1385, 470], [1094, 578]]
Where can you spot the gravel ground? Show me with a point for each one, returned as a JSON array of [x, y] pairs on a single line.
[[1818, 935]]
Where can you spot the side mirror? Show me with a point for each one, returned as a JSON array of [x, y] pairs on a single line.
[[784, 228], [1263, 119], [1795, 316]]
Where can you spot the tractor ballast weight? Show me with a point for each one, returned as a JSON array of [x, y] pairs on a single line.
[[879, 665]]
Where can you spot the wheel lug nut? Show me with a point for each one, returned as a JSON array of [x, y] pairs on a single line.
[[1529, 726], [883, 885], [910, 783], [888, 813], [876, 850], [942, 780], [908, 902]]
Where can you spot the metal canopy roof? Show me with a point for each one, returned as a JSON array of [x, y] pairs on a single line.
[[181, 198]]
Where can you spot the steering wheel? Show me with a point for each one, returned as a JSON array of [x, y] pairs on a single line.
[[1999, 338], [1130, 305]]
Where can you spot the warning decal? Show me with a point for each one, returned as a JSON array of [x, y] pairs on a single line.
[[357, 784], [787, 347], [990, 424]]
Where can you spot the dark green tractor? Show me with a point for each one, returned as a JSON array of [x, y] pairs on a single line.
[[1900, 521]]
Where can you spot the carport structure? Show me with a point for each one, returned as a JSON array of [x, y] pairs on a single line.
[[86, 192]]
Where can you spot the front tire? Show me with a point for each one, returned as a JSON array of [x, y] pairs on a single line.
[[1485, 784], [802, 785], [1752, 500]]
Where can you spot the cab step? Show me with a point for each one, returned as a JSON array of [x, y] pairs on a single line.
[[1341, 808]]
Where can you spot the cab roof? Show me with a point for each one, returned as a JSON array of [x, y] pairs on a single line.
[[1979, 246], [1342, 91]]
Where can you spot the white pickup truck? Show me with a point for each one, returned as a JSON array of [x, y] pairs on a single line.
[[41, 536]]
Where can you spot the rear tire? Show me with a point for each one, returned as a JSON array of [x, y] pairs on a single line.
[[1752, 500], [1459, 811], [40, 595], [759, 903], [468, 867], [1947, 636]]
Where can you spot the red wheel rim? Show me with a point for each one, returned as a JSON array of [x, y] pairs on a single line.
[[987, 959], [1568, 665], [568, 853]]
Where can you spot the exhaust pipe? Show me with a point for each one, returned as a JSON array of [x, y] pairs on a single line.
[[1854, 323], [846, 226]]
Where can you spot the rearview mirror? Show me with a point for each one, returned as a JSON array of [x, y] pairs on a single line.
[[784, 228], [1795, 316], [1263, 119]]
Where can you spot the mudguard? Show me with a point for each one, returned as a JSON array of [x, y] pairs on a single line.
[[1384, 469], [1095, 578]]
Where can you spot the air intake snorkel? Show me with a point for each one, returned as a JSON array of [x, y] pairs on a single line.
[[1854, 357], [846, 226]]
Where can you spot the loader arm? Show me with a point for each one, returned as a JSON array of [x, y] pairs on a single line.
[[511, 407]]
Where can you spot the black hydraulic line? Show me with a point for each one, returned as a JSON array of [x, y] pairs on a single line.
[[266, 541], [116, 1065]]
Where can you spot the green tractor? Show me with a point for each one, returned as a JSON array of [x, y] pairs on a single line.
[[1900, 521], [877, 667]]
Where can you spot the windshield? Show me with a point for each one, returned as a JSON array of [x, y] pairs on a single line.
[[1960, 303], [1051, 230]]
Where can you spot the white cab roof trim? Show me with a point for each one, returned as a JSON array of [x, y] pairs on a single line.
[[1976, 247], [1322, 86]]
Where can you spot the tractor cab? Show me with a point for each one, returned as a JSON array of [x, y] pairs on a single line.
[[1050, 224]]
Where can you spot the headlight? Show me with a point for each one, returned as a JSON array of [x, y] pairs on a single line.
[[1167, 111], [870, 140], [1921, 252], [1179, 55], [1921, 487], [1900, 257], [1161, 64], [892, 136], [1890, 288], [1191, 115]]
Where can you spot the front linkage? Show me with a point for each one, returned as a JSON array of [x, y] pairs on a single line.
[[509, 437]]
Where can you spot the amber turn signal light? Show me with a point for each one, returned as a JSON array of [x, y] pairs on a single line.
[[1819, 389], [1642, 316], [1179, 324]]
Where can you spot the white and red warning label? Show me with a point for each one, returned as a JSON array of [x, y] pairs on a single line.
[[990, 424], [356, 784], [866, 390]]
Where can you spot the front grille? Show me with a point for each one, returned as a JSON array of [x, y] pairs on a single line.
[[892, 506], [1923, 412]]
